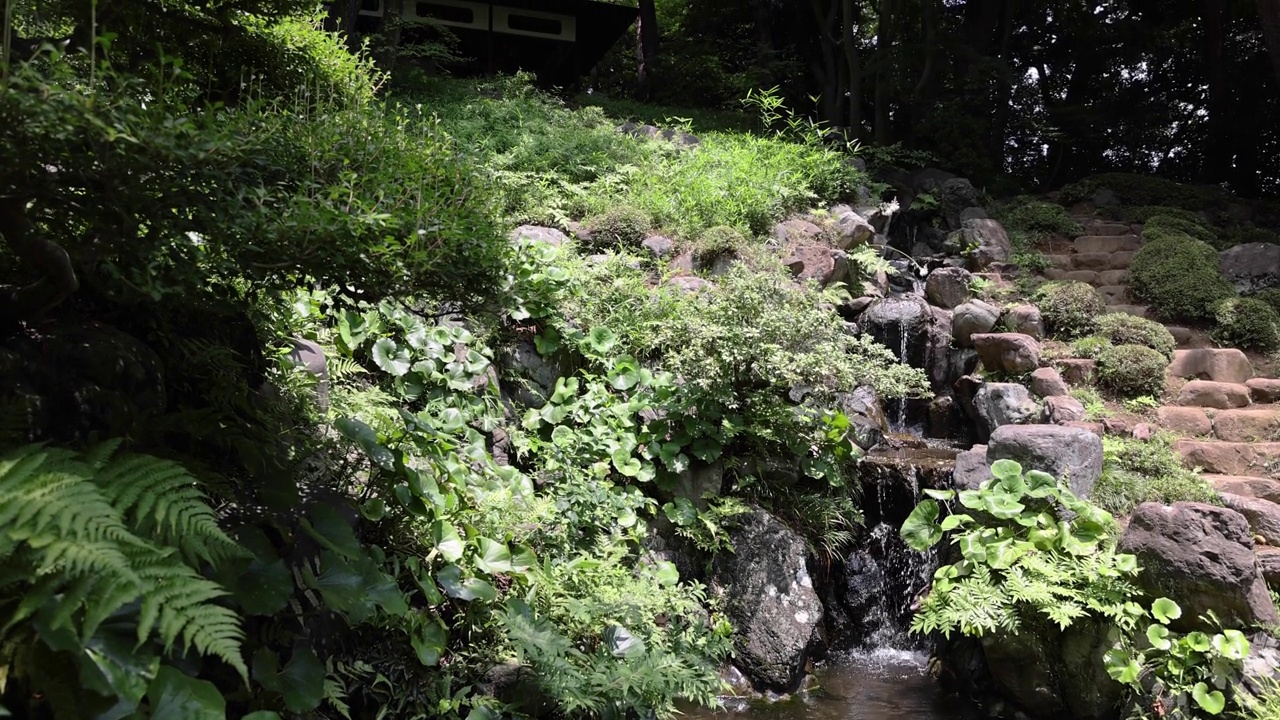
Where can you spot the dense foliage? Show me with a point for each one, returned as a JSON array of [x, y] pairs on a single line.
[[1126, 329], [1138, 471], [1132, 370], [1248, 323], [1070, 309], [1178, 277]]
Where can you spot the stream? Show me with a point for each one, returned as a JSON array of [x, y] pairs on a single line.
[[881, 684]]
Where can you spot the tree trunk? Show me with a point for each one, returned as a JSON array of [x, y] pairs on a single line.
[[828, 73], [852, 66], [884, 44], [646, 48], [1218, 159], [1269, 14], [392, 23]]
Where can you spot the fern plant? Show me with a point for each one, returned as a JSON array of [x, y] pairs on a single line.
[[92, 543]]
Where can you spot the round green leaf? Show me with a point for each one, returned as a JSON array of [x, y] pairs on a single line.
[[1158, 636], [1212, 702], [921, 530], [177, 696], [391, 359], [1006, 469], [667, 573], [1165, 610]]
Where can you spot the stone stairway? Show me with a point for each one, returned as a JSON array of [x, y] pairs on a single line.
[[1101, 258]]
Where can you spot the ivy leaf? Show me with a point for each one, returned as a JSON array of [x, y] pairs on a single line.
[[566, 390], [1165, 610], [391, 359], [1006, 470], [973, 547], [177, 696], [1041, 484], [921, 530], [681, 512], [951, 522], [1003, 506], [465, 589], [522, 559], [943, 495], [1212, 702], [1231, 644], [352, 329], [301, 683], [971, 499], [430, 643], [1003, 554]]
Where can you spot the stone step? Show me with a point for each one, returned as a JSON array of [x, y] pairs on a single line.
[[1112, 277], [1114, 294], [1264, 390], [1134, 310], [1096, 227], [1217, 395], [1107, 243], [1263, 516], [1257, 423], [1217, 457], [1245, 486], [1226, 365]]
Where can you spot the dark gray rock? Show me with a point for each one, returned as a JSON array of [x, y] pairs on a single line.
[[866, 416], [658, 246], [948, 287], [769, 597], [1251, 267], [955, 197], [534, 377], [1000, 404], [972, 468], [973, 213], [989, 240], [310, 357], [944, 418], [1201, 557], [1067, 453], [972, 318]]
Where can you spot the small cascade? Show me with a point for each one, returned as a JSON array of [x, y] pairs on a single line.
[[899, 422]]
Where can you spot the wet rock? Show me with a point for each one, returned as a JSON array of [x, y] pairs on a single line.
[[769, 597], [972, 318], [944, 418], [948, 287], [1026, 320], [961, 362], [1251, 267], [1067, 453], [1000, 404], [912, 330], [1201, 557], [1047, 382], [866, 416], [1008, 353]]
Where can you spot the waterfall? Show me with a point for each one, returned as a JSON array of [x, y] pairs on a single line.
[[900, 410]]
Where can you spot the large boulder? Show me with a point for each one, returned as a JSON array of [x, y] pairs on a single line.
[[1025, 319], [971, 468], [768, 595], [1263, 516], [851, 229], [1226, 365], [989, 240], [1209, 394], [948, 287], [1067, 453], [957, 195], [820, 263], [972, 318], [1251, 267], [916, 333], [1000, 404], [1008, 353], [1201, 557]]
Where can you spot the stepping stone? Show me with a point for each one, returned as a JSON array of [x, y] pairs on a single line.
[[1084, 276], [1134, 310], [1226, 365], [1229, 458], [1186, 421], [1092, 261], [1106, 228], [1114, 294], [1181, 335], [1246, 486], [1249, 425], [1264, 390], [1210, 394], [1113, 277], [1107, 243], [1054, 273]]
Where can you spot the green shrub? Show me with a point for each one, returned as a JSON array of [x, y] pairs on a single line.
[[716, 242], [1095, 408], [1247, 323], [1069, 308], [1132, 370], [1143, 213], [620, 227], [1138, 471], [1270, 296], [1177, 224], [1090, 347], [1040, 218], [1144, 190], [1126, 329], [1178, 276]]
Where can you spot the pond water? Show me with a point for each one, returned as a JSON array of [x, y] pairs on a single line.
[[883, 684]]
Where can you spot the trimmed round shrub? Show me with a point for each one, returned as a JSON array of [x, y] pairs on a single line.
[[1247, 323], [1144, 213], [717, 242], [1179, 223], [1041, 218], [1089, 347], [1125, 329], [1069, 308], [1178, 277], [1132, 370], [621, 226]]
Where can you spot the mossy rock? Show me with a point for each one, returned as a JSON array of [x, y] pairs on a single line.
[[1178, 276], [1132, 370], [1248, 324], [1125, 329], [1069, 308]]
